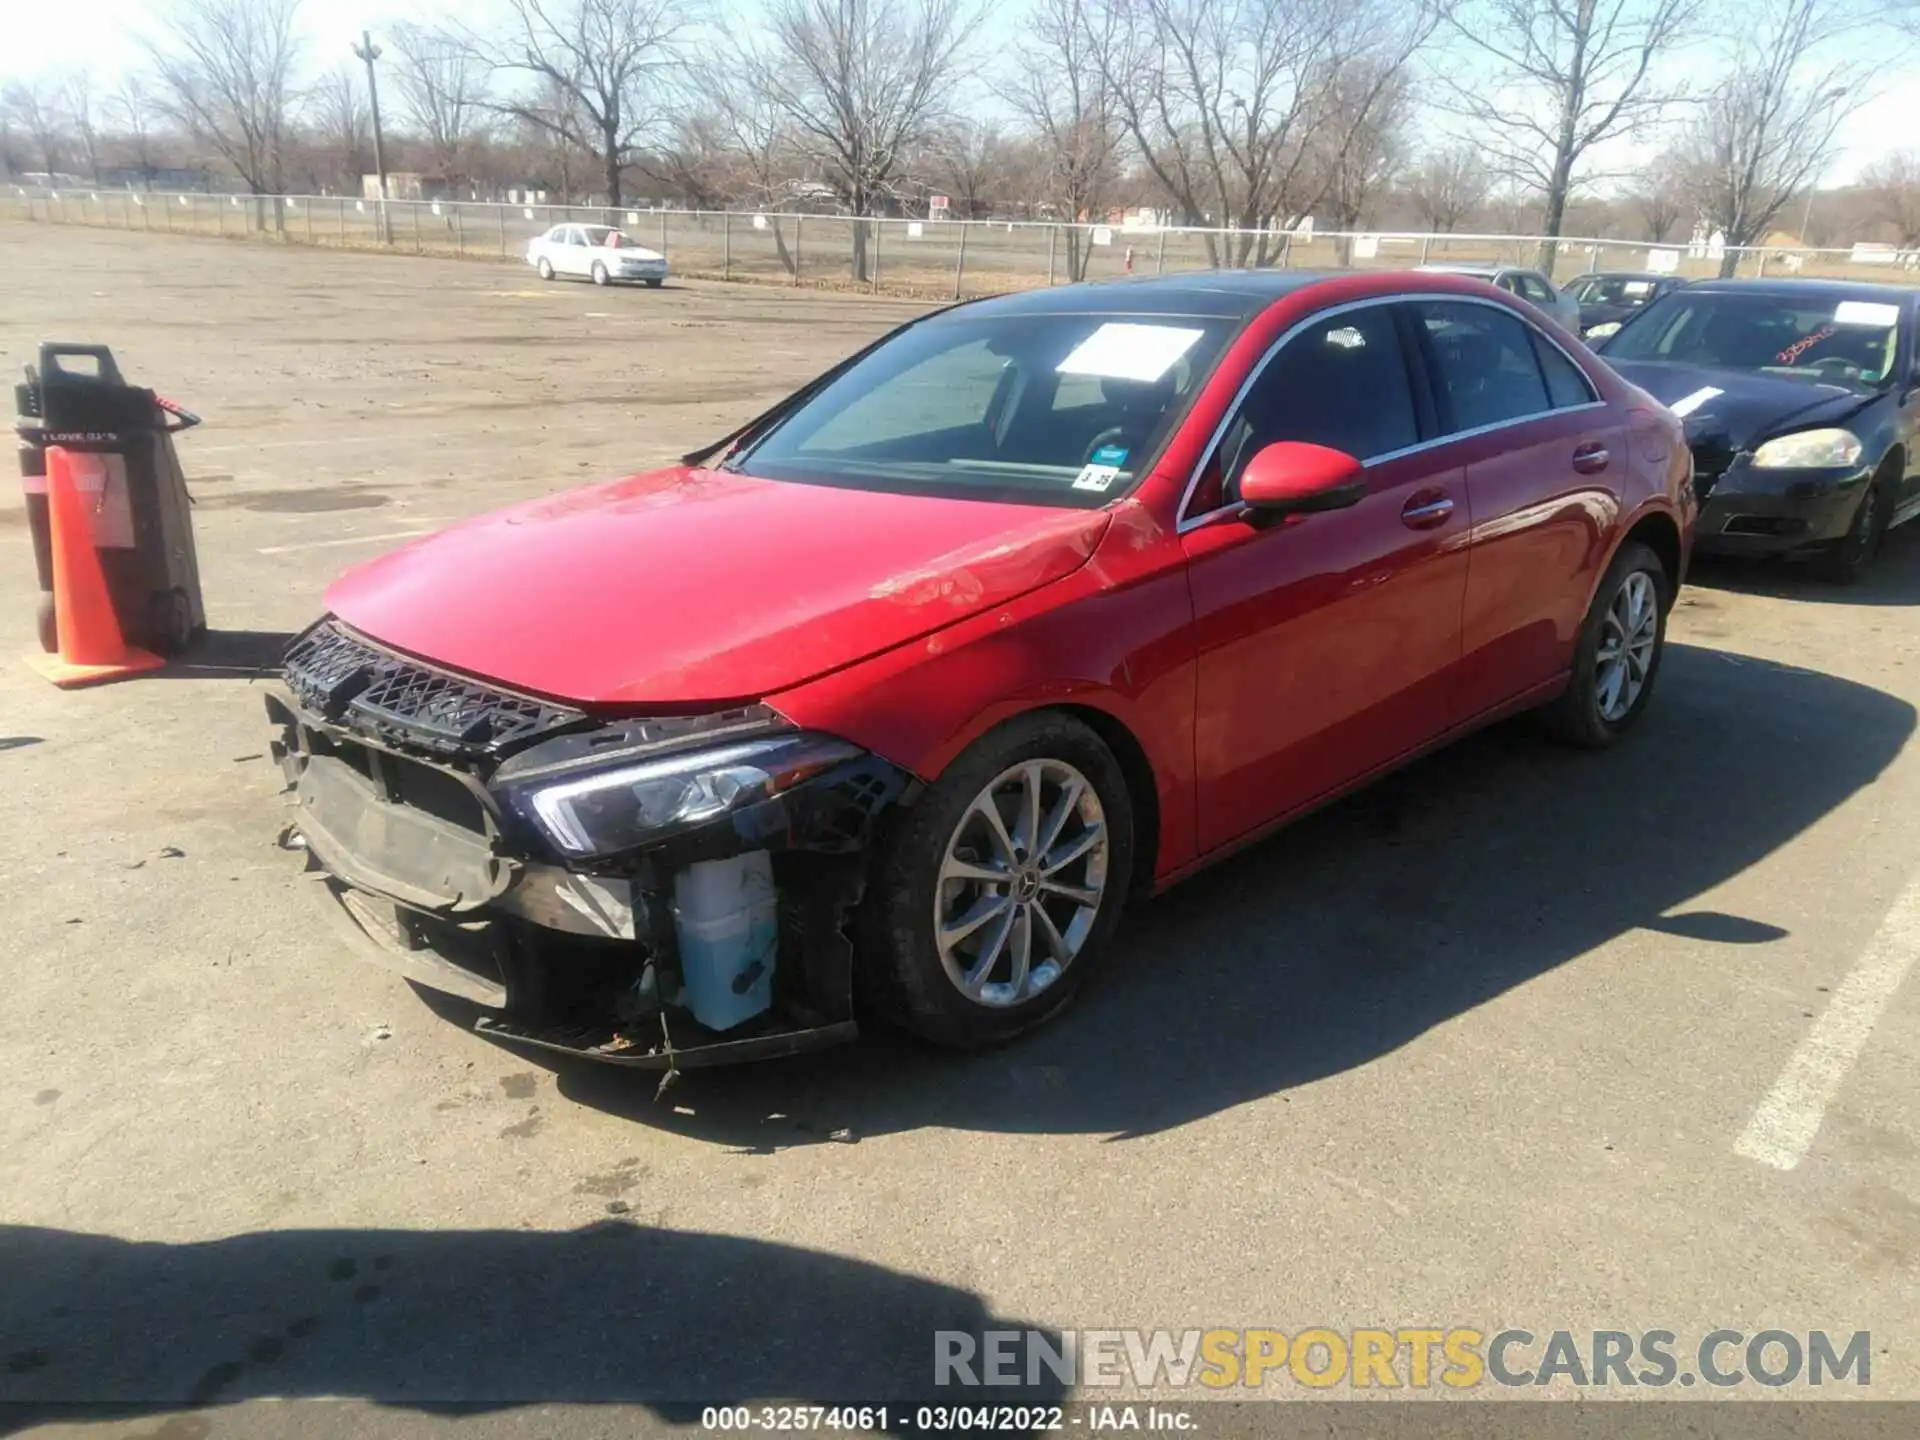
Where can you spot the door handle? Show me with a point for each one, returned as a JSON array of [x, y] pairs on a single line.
[[1425, 514], [1591, 458]]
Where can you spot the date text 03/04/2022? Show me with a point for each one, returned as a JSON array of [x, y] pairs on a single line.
[[939, 1419]]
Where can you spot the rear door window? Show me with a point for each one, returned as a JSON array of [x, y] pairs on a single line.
[[1484, 365]]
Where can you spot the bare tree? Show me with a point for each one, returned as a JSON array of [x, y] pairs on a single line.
[[1893, 184], [443, 94], [34, 105], [969, 160], [1558, 78], [1061, 94], [1766, 130], [77, 101], [603, 73], [227, 69], [1449, 185], [1222, 98], [697, 163], [343, 125], [1355, 158], [1659, 197], [132, 109], [860, 84]]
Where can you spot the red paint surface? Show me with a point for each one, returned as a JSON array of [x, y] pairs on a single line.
[[689, 587], [1254, 670]]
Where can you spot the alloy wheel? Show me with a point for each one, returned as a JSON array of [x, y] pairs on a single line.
[[1021, 883], [1628, 634]]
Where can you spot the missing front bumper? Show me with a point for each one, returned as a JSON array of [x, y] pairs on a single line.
[[584, 964]]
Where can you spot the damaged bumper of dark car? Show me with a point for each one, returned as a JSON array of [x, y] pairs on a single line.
[[533, 858], [1750, 510]]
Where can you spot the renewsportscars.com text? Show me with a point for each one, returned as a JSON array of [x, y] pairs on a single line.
[[1457, 1358]]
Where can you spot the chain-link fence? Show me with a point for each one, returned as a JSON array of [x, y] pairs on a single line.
[[931, 258]]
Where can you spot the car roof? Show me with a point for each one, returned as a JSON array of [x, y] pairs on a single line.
[[1223, 294], [1469, 269], [1624, 275], [1822, 291], [1228, 294]]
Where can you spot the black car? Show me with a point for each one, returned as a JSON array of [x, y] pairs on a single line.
[[1610, 296], [1800, 399]]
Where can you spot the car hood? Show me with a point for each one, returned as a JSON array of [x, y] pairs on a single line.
[[690, 586], [1750, 407]]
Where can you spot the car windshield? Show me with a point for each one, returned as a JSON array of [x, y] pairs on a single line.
[[1060, 409], [1843, 342], [1613, 290], [604, 235]]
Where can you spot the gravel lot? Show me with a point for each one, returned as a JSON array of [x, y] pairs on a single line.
[[1473, 1048]]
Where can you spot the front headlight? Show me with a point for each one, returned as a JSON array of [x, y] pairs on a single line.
[[607, 811], [1809, 450]]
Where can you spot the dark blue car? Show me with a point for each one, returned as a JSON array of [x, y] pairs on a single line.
[[1799, 398]]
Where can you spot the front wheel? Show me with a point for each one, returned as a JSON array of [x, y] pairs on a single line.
[[655, 284], [992, 901], [599, 273], [1848, 561], [1618, 654]]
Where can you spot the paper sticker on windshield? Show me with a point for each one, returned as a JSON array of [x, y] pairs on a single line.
[[1687, 404], [1110, 455], [1129, 352], [1096, 477], [1865, 312]]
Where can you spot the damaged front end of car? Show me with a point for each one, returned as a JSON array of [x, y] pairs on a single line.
[[661, 892]]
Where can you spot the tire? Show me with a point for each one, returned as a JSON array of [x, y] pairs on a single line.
[[1589, 712], [655, 284], [599, 273], [905, 975], [545, 268], [170, 627], [1848, 561], [46, 625]]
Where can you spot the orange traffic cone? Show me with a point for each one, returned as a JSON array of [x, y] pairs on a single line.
[[92, 648]]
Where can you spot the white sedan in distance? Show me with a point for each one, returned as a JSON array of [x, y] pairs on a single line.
[[598, 253]]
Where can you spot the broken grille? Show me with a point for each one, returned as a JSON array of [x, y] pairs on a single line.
[[354, 683]]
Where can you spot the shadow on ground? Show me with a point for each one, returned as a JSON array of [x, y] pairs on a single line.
[[1893, 580], [92, 1325], [1360, 928], [229, 655]]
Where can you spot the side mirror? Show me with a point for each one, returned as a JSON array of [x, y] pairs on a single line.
[[1291, 477]]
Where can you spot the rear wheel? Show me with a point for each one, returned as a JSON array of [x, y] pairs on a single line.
[[1853, 556], [545, 268], [993, 900], [1617, 657]]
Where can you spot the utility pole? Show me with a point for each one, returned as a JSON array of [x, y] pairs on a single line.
[[370, 52]]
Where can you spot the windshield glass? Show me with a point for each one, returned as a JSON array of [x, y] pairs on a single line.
[[1054, 409], [604, 235], [1843, 342], [1613, 290]]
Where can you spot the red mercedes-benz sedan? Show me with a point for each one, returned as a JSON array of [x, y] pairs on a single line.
[[898, 694]]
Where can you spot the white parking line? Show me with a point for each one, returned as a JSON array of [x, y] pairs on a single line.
[[345, 540], [1783, 1127]]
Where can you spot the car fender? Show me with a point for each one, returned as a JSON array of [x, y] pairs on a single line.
[[1114, 638]]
